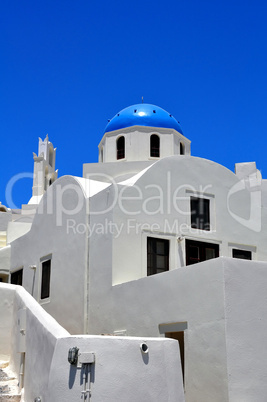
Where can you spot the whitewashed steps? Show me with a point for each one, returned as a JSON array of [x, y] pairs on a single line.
[[9, 391]]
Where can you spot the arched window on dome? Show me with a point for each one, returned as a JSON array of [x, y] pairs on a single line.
[[121, 148], [182, 149], [155, 146]]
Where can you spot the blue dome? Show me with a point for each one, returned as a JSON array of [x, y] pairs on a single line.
[[143, 114]]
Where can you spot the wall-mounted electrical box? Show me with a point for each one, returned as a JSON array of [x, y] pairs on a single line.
[[86, 358]]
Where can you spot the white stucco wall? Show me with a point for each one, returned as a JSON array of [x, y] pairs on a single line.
[[5, 217], [38, 342], [120, 372], [17, 229], [5, 261], [113, 171], [50, 238], [158, 204], [246, 327], [193, 295], [6, 319], [137, 143], [223, 303]]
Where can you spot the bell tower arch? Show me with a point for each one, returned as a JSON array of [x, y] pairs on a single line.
[[44, 169]]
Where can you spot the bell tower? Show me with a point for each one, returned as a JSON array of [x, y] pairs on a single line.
[[44, 169]]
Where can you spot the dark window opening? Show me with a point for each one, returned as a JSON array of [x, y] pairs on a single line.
[[200, 213], [182, 152], [243, 254], [179, 336], [51, 156], [197, 251], [16, 277], [157, 255], [45, 285], [154, 146], [121, 148]]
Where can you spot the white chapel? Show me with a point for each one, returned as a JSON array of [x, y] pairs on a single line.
[[143, 280]]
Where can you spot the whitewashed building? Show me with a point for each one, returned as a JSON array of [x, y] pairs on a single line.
[[150, 242]]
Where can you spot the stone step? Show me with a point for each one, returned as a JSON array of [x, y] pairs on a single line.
[[10, 398], [9, 390]]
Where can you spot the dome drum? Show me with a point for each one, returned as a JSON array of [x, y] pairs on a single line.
[[142, 132], [142, 144]]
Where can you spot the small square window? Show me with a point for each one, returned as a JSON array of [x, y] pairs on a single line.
[[16, 277], [198, 251], [243, 254], [45, 284], [200, 213], [157, 255]]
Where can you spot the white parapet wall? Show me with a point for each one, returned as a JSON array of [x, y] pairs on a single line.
[[7, 294], [5, 263], [109, 368]]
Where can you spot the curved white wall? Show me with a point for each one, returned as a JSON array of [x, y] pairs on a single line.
[[137, 144], [120, 372]]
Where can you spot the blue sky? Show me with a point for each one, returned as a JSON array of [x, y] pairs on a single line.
[[66, 67]]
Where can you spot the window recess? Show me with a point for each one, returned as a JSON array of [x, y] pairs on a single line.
[[45, 281], [154, 146], [198, 251], [16, 277], [157, 255], [121, 148], [242, 254], [200, 213]]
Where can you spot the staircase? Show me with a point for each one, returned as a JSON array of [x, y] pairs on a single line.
[[9, 390]]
